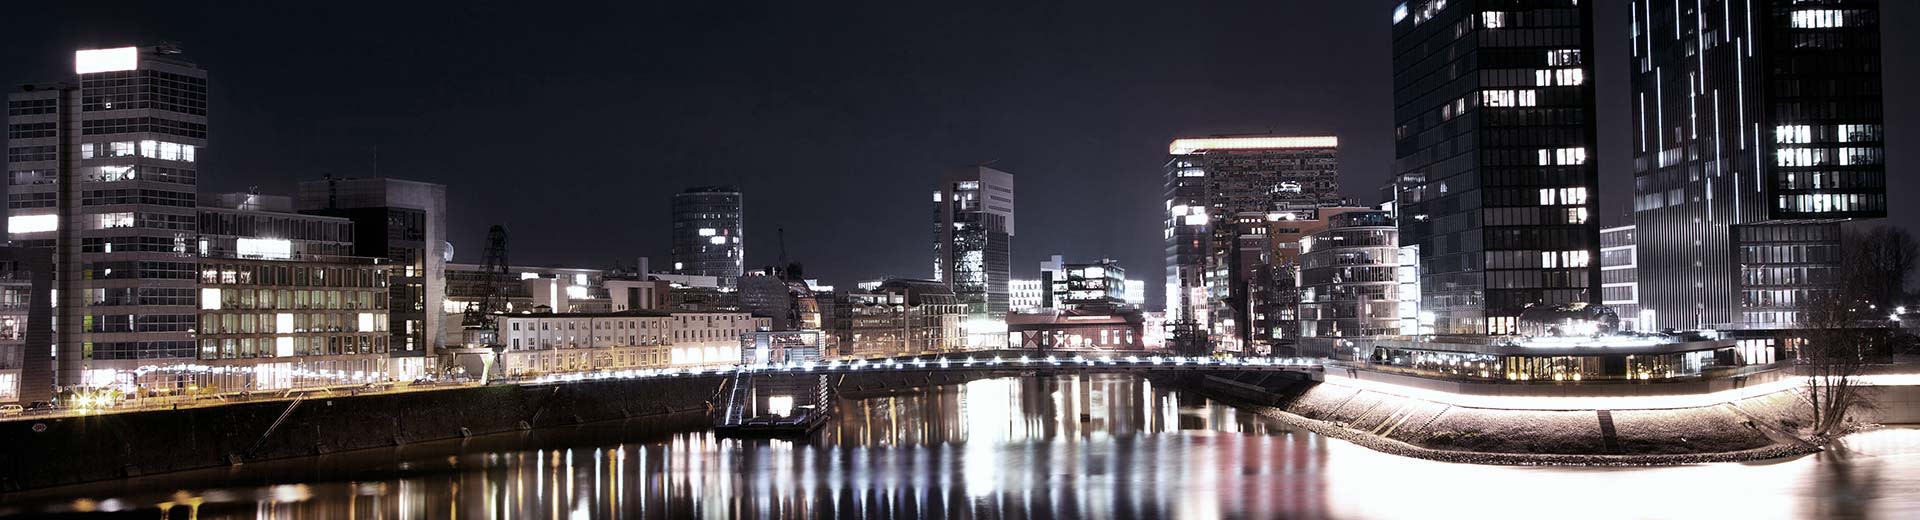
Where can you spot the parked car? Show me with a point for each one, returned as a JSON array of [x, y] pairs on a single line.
[[9, 410], [40, 407]]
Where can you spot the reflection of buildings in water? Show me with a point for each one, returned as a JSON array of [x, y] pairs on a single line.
[[1002, 468], [1088, 446]]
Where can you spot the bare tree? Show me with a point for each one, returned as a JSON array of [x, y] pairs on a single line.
[[1879, 262], [1837, 343]]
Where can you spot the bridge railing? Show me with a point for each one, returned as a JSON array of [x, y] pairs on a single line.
[[956, 362]]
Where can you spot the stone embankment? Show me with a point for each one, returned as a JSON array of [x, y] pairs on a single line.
[[68, 450], [1745, 430]]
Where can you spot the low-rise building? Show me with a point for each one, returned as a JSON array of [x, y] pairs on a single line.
[[544, 343], [1620, 280], [902, 316], [274, 324], [1077, 330]]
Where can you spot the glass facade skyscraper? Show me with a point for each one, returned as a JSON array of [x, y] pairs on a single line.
[[1757, 130], [1220, 191], [1494, 139], [709, 233]]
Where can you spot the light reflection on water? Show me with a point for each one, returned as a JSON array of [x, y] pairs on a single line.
[[1066, 447]]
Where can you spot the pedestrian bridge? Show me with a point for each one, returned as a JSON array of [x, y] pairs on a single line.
[[1056, 363]]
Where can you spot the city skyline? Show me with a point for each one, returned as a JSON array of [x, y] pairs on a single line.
[[266, 140]]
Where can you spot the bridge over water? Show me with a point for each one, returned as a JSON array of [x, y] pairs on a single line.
[[999, 361], [794, 398]]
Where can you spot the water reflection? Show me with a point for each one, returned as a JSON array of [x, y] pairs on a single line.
[[1066, 447]]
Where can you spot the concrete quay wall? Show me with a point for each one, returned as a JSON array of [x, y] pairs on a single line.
[[69, 450], [1752, 428]]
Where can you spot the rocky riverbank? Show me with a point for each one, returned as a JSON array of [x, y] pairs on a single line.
[[1747, 430]]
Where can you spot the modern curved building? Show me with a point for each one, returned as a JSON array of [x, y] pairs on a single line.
[[708, 233], [1347, 277]]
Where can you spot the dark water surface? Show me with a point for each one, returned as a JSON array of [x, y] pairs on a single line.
[[1059, 447]]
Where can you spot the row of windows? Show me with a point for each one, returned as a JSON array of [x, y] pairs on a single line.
[[31, 130], [291, 322], [141, 323], [17, 154], [176, 296], [1833, 202], [122, 90], [1531, 279], [1789, 233], [176, 244], [1525, 216], [1800, 275], [32, 200], [212, 298], [143, 270], [241, 348], [158, 125], [1815, 180], [1789, 254], [162, 150], [136, 196], [140, 350], [293, 275], [32, 107]]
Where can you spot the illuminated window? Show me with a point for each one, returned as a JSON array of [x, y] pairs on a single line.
[[1563, 156], [115, 220], [1559, 259], [1563, 58], [1857, 133], [1559, 77], [32, 223], [1784, 134], [1818, 19], [1563, 196], [1509, 98], [1493, 19]]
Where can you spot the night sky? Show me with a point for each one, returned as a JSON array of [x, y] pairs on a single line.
[[573, 124]]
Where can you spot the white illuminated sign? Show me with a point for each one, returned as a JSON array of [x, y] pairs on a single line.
[[106, 60], [32, 223], [268, 248], [1204, 144]]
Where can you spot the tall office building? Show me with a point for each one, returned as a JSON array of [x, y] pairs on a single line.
[[102, 170], [404, 222], [973, 229], [1494, 134], [1757, 130], [709, 233], [1213, 183]]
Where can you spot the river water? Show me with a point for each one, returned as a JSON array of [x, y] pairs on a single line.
[[1058, 447]]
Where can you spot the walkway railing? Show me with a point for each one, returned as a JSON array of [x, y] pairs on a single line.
[[960, 363]]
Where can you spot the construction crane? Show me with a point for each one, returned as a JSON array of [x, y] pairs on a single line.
[[479, 322]]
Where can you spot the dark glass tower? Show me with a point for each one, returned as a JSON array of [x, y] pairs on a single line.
[[1494, 139], [1757, 131], [709, 233], [973, 235]]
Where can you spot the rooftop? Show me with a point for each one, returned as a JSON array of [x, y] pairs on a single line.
[[1194, 145]]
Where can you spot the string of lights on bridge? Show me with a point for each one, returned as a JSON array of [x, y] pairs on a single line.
[[951, 363]]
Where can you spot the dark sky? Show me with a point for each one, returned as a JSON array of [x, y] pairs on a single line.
[[573, 123]]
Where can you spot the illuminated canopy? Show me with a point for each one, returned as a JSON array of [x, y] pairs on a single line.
[[1193, 145]]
